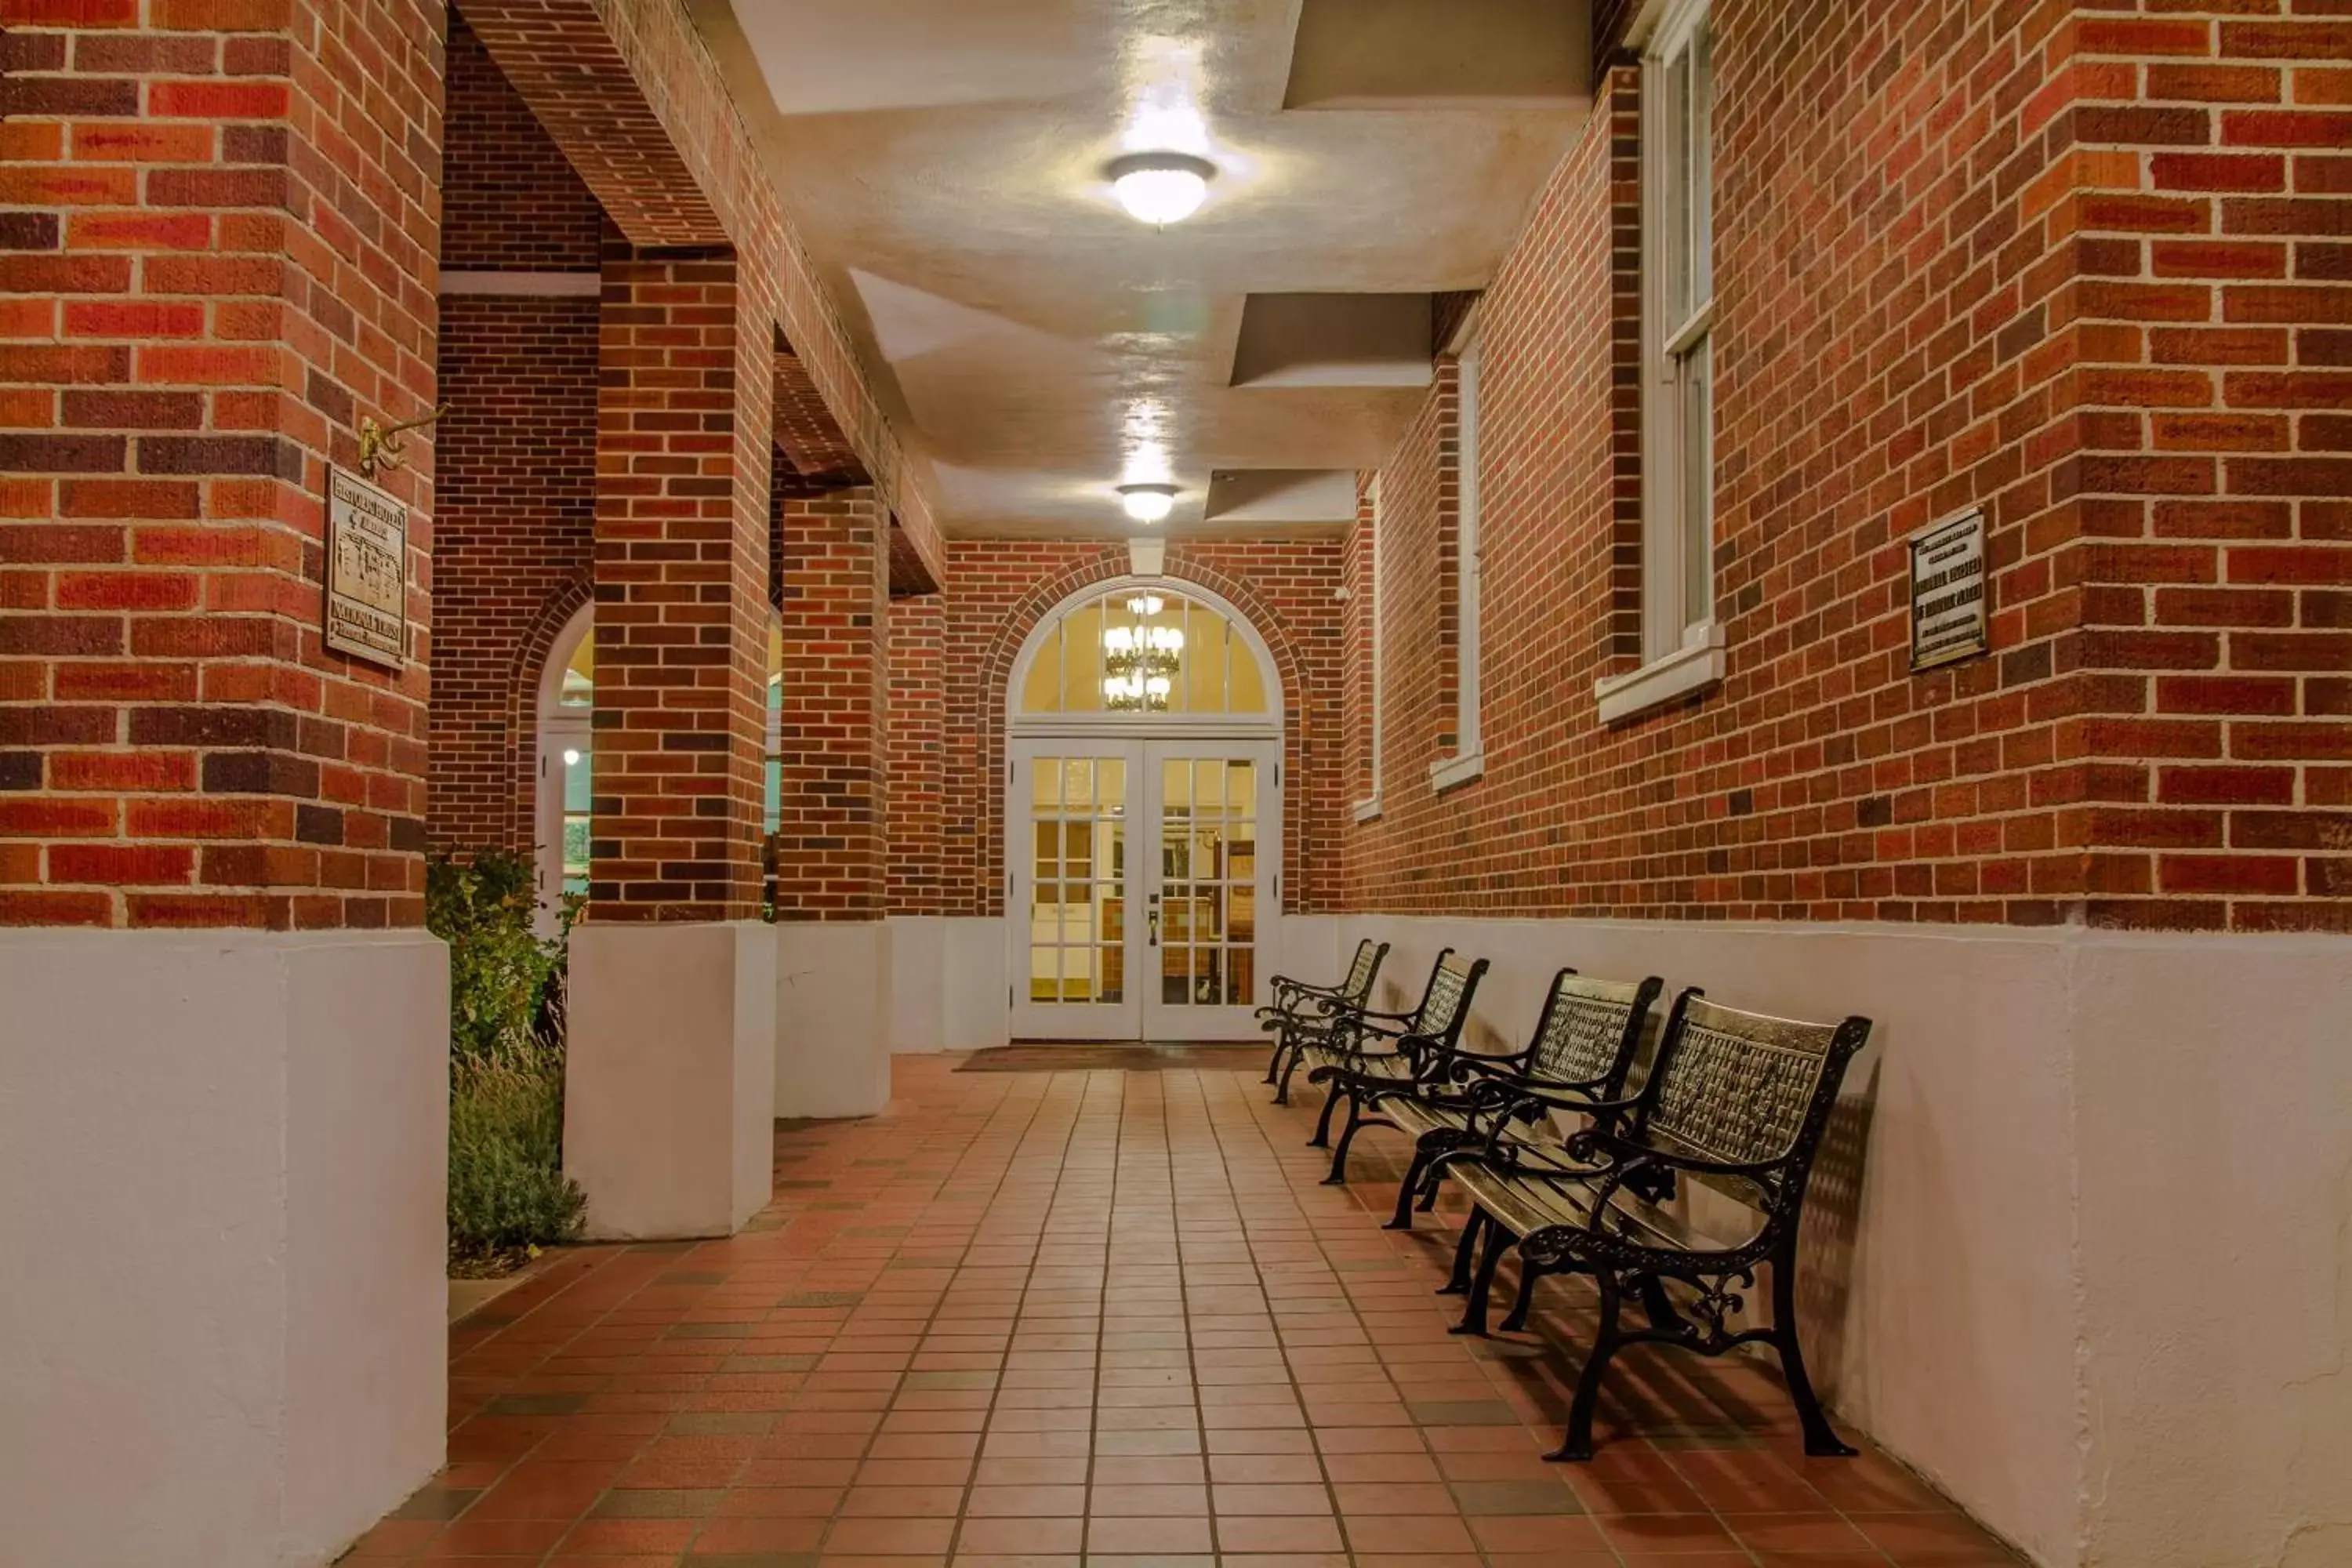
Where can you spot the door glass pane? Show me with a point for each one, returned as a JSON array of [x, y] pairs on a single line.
[[1082, 659], [1042, 692], [579, 773], [1143, 651], [1209, 867], [1077, 906], [579, 687]]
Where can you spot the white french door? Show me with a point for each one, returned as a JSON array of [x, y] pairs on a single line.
[[1143, 888]]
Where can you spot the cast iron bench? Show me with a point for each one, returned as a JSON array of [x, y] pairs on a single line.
[[1585, 1043], [1388, 1051], [1344, 1027], [1736, 1100], [1298, 1002]]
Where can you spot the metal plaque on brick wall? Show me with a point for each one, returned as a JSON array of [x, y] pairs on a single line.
[[367, 570], [1948, 618]]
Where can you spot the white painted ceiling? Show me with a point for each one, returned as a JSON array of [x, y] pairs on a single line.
[[1036, 346]]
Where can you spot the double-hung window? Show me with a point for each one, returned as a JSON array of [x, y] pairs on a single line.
[[1468, 759], [1368, 808], [1681, 645]]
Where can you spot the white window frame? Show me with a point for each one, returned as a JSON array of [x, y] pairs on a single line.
[[1682, 639], [1369, 808], [1469, 758]]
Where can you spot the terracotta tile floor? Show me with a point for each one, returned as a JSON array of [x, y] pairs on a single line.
[[1024, 1320]]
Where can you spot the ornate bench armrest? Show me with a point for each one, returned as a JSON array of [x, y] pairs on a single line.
[[1628, 1151]]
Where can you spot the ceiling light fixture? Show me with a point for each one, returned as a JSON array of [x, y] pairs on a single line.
[[1148, 503], [1160, 187]]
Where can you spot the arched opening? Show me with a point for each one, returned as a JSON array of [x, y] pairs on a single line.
[[566, 762], [1143, 817]]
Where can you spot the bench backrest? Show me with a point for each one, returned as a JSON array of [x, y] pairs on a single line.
[[1445, 1005], [1747, 1089], [1356, 989], [1589, 1032]]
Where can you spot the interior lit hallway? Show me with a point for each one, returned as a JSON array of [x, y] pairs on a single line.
[[580, 578], [1022, 1317]]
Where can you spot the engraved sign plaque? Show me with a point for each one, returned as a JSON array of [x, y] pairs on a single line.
[[1948, 620], [367, 570]]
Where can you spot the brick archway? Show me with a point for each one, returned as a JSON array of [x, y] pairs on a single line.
[[1111, 562]]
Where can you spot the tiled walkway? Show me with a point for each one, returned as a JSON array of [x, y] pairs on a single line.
[[1024, 1319]]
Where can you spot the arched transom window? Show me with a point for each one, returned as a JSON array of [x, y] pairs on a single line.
[[1143, 650]]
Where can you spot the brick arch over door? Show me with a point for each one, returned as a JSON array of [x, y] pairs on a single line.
[[523, 684], [1301, 632]]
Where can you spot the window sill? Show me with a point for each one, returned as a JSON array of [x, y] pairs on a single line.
[[1662, 680], [1456, 771], [1368, 810]]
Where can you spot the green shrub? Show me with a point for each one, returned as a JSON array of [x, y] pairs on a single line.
[[507, 1186], [508, 1192], [499, 968]]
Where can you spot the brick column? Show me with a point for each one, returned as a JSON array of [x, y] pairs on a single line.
[[835, 955], [221, 1149], [669, 1088], [916, 749], [215, 255], [836, 576], [682, 459]]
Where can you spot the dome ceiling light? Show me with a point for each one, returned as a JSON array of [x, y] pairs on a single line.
[[1160, 188], [1148, 503]]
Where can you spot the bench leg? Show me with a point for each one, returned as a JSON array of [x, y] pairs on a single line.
[[1596, 1366], [1658, 1306], [1821, 1440], [1516, 1319], [1273, 1060], [1403, 1219], [1339, 1177], [1322, 1139], [1465, 1247], [1289, 1065], [1474, 1312]]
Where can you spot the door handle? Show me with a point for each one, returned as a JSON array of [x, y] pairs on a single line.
[[1154, 941]]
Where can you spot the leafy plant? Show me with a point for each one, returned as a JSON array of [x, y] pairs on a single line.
[[508, 1192], [501, 970]]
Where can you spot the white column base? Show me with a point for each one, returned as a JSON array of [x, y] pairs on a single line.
[[223, 1196], [833, 1002], [669, 1083], [2090, 1156], [947, 978], [918, 969], [977, 995]]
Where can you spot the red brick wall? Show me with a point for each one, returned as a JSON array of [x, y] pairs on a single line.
[[629, 91], [217, 236], [1927, 298], [997, 591], [915, 744], [682, 520], [510, 201], [836, 572], [517, 453], [515, 532], [2213, 324]]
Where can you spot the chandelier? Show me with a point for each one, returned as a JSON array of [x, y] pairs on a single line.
[[1141, 660]]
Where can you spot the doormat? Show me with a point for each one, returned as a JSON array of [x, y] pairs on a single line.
[[1122, 1056]]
